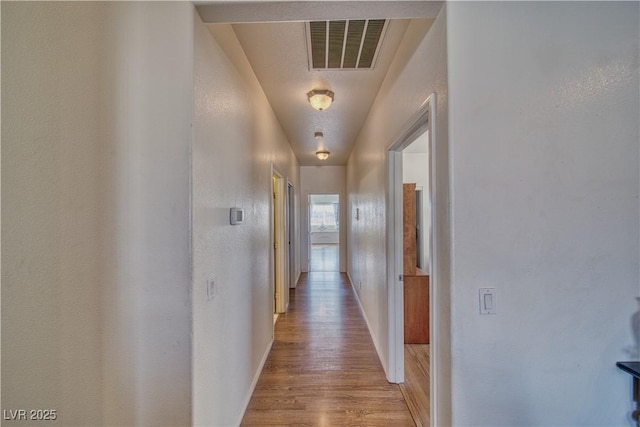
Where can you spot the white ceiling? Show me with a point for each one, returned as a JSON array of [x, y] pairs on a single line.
[[278, 55], [277, 52]]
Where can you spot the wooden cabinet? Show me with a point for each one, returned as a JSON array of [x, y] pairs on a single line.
[[416, 282], [416, 308], [409, 228]]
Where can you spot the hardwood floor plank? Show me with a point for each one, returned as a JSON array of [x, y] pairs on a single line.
[[324, 257], [323, 369], [416, 382]]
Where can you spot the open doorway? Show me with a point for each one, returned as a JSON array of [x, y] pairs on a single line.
[[324, 232], [291, 233], [412, 279], [415, 212], [280, 246]]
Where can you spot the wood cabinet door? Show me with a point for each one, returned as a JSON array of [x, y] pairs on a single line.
[[409, 228], [416, 309]]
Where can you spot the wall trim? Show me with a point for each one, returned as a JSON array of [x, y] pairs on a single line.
[[256, 377], [366, 319], [417, 124]]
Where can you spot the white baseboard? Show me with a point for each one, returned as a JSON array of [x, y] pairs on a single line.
[[351, 281], [366, 319], [295, 282], [254, 382]]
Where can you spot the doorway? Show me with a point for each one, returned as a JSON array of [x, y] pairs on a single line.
[[291, 233], [324, 232], [415, 178], [279, 246], [412, 279]]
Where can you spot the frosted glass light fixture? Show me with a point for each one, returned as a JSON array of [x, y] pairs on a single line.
[[320, 99], [322, 154]]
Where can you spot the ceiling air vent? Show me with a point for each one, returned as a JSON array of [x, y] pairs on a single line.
[[344, 45]]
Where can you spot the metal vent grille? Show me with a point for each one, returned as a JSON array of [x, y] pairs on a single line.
[[344, 45]]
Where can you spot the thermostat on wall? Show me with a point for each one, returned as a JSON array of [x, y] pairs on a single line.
[[237, 216]]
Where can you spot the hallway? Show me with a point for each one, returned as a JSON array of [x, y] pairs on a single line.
[[323, 369], [132, 296]]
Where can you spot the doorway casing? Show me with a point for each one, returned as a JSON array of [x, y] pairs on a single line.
[[291, 233], [278, 240], [422, 121], [310, 204]]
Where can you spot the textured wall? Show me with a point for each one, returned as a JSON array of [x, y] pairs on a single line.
[[51, 278], [96, 113], [544, 107], [419, 68], [236, 138], [146, 294]]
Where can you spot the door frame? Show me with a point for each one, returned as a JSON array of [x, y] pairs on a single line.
[[330, 193], [278, 234], [422, 121], [420, 249], [291, 234]]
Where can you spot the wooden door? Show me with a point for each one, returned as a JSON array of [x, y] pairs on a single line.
[[416, 282], [409, 228]]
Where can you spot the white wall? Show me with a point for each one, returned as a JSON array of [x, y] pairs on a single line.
[[236, 137], [419, 68], [415, 169], [51, 338], [322, 180], [96, 112], [543, 122]]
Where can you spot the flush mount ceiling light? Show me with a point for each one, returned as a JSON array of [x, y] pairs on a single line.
[[320, 99], [322, 154]]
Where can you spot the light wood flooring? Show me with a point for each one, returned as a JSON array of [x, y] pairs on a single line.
[[324, 257], [415, 388], [323, 369]]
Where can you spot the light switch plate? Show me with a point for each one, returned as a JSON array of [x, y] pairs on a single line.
[[487, 300], [236, 216]]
